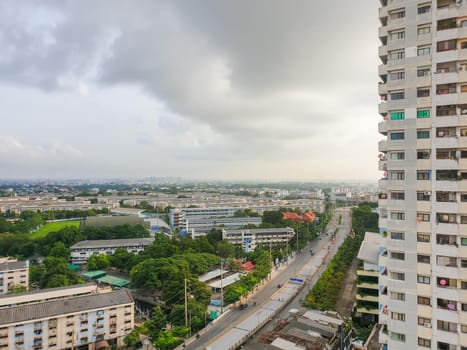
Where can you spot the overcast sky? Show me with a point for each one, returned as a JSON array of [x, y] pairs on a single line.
[[205, 89]]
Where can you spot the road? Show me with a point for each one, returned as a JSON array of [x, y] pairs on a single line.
[[230, 319], [296, 303]]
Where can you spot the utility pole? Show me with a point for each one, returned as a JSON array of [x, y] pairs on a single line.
[[222, 288], [186, 306], [297, 238]]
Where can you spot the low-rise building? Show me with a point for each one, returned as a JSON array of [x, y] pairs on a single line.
[[249, 239], [13, 273], [367, 279], [81, 251], [89, 321]]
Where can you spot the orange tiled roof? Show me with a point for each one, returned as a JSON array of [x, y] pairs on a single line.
[[290, 216]]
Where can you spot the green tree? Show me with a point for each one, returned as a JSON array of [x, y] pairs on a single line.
[[98, 262], [60, 251], [225, 249], [157, 322], [17, 289], [122, 259]]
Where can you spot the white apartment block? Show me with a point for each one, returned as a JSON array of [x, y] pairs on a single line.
[[249, 239], [76, 320], [13, 273], [179, 217], [81, 251], [423, 200]]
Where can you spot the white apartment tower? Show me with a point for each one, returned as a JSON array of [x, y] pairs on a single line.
[[423, 158]]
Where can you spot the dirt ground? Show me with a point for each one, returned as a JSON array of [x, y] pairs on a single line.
[[348, 292]]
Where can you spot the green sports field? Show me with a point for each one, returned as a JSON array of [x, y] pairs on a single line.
[[53, 227]]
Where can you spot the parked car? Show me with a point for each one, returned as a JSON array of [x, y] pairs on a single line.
[[243, 306]]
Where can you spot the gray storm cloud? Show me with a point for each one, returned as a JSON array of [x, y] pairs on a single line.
[[265, 75]]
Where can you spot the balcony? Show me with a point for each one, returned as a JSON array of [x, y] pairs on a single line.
[[383, 146], [383, 108]]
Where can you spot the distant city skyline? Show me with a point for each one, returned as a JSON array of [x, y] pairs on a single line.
[[245, 90]]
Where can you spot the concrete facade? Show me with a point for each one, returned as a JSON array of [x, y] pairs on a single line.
[[13, 273], [423, 159], [90, 321]]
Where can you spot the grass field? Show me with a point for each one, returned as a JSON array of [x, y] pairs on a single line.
[[53, 227]]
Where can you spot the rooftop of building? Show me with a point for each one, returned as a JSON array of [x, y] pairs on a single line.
[[14, 265], [104, 243], [25, 313], [260, 230]]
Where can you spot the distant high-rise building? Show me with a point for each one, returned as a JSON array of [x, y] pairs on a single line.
[[423, 199]]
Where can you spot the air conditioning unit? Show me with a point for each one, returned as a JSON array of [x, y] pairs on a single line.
[[428, 324]]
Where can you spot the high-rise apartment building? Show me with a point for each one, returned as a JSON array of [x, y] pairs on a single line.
[[423, 200]]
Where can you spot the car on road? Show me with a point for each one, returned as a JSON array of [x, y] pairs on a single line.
[[243, 306]]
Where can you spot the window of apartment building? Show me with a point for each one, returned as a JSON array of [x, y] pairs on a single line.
[[397, 296], [463, 219], [396, 175], [397, 255], [446, 132], [423, 279], [463, 262], [443, 239], [423, 237], [398, 235], [464, 307], [447, 261], [446, 110], [446, 304], [397, 155], [423, 321], [423, 217], [423, 92], [426, 343], [423, 50], [446, 346], [446, 153], [396, 55], [464, 328], [423, 134], [445, 282], [446, 175], [398, 316], [397, 135], [446, 45], [399, 276], [423, 71], [464, 241], [445, 196], [397, 14], [446, 218], [397, 34], [423, 113], [423, 300], [397, 115], [464, 285], [424, 29], [397, 215], [447, 326], [397, 195], [463, 153], [397, 75], [423, 8], [423, 174], [397, 95], [423, 259], [424, 154], [398, 336], [423, 196]]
